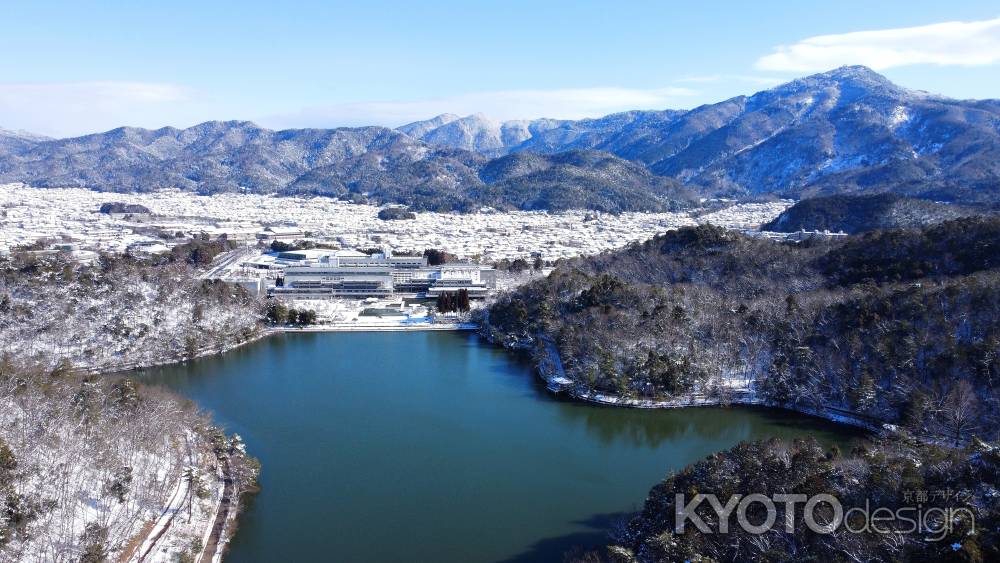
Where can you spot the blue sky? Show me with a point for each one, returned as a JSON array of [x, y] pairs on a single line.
[[76, 67]]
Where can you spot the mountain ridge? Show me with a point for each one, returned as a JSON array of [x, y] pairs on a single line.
[[849, 130]]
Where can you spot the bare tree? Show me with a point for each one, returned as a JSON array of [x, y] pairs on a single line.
[[960, 410]]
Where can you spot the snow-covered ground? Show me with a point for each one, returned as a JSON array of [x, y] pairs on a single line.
[[96, 465], [28, 214], [347, 315], [132, 316]]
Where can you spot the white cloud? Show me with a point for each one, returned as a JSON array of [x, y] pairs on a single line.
[[72, 108], [573, 103], [950, 43]]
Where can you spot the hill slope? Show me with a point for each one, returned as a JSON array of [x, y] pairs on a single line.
[[859, 213], [590, 179], [702, 312]]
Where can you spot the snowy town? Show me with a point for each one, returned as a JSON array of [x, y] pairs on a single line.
[[334, 258], [69, 219]]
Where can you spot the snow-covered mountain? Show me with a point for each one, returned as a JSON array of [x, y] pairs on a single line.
[[477, 132], [418, 129], [847, 130], [375, 163], [16, 141]]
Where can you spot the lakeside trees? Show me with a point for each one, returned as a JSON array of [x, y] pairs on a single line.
[[950, 491], [278, 313], [85, 460], [118, 312], [895, 326]]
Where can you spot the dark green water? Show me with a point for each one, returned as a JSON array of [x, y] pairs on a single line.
[[434, 447]]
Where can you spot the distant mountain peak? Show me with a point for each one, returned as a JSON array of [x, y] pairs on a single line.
[[23, 135], [418, 129], [854, 72], [228, 124], [474, 132], [857, 78]]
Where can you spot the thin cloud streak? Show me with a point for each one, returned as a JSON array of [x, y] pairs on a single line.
[[974, 43]]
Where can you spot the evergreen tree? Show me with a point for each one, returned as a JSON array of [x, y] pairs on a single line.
[[519, 265], [8, 463], [307, 317], [277, 312], [94, 539], [194, 483], [191, 346]]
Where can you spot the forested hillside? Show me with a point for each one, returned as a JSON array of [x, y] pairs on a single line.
[[952, 492], [854, 214], [89, 461], [896, 326], [361, 164], [120, 312]]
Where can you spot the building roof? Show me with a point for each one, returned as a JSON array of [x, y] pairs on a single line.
[[284, 230], [310, 254]]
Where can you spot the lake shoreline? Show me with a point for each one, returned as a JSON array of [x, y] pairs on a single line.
[[554, 379], [551, 373], [551, 378], [846, 419], [379, 328], [435, 382]]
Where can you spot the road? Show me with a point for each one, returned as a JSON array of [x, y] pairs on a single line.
[[225, 261]]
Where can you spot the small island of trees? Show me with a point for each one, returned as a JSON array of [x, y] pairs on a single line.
[[396, 213]]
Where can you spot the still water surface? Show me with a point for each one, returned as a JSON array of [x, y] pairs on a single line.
[[431, 446]]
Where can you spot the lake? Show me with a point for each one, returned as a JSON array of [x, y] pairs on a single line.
[[433, 446]]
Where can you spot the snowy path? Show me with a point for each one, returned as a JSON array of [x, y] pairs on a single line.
[[167, 516], [224, 261], [174, 505], [212, 552]]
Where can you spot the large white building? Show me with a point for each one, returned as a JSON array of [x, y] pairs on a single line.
[[450, 278], [339, 274]]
